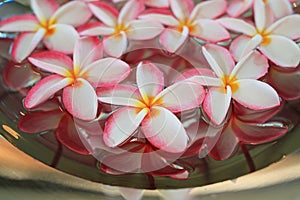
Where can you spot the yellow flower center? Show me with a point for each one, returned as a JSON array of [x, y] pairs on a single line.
[[120, 28], [47, 25], [147, 103], [75, 74], [265, 37], [231, 82]]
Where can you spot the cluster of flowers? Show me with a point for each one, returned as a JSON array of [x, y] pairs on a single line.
[[86, 41]]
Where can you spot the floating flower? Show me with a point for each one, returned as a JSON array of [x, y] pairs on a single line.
[[187, 19], [151, 3], [278, 8], [151, 106], [119, 27], [78, 78], [51, 23], [237, 82], [274, 40]]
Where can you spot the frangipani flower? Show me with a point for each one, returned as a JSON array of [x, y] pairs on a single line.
[[151, 3], [77, 78], [197, 21], [237, 82], [275, 40], [151, 106], [279, 8], [119, 27], [51, 23]]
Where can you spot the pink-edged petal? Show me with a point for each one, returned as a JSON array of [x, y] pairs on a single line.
[[282, 51], [120, 94], [115, 45], [226, 145], [144, 29], [130, 11], [208, 9], [74, 13], [165, 19], [251, 45], [222, 57], [86, 51], [63, 39], [237, 25], [181, 8], [164, 130], [195, 72], [172, 39], [216, 104], [67, 134], [210, 30], [183, 95], [25, 43], [260, 15], [238, 7], [105, 13], [209, 56], [254, 133], [281, 8], [150, 80], [238, 45], [252, 66], [206, 80], [44, 89], [44, 9], [122, 124], [52, 61], [255, 94], [19, 23], [96, 29], [107, 71], [80, 100], [157, 3], [286, 83], [286, 26], [40, 121]]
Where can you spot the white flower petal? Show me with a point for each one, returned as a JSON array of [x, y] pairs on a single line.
[[44, 9], [208, 9], [144, 29], [237, 25], [115, 45]]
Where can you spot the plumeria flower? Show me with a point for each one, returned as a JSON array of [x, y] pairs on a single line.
[[151, 106], [77, 78], [119, 27], [150, 3], [237, 82], [188, 19], [279, 8], [274, 40], [50, 23]]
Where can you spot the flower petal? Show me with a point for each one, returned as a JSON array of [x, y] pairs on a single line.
[[286, 26], [210, 30], [44, 9], [73, 13], [260, 15], [44, 89], [203, 72], [252, 66], [19, 23], [221, 56], [237, 7], [216, 104], [165, 19], [183, 95], [172, 39], [130, 11], [239, 45], [105, 13], [206, 80], [86, 51], [115, 45], [250, 93], [25, 43], [96, 29], [282, 51], [181, 9], [63, 39], [150, 80], [237, 25], [120, 94], [52, 61], [121, 125], [144, 29], [213, 62], [281, 8], [208, 9], [164, 130], [80, 100]]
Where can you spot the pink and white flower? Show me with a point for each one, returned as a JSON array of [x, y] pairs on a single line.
[[50, 23], [238, 82], [119, 27], [190, 20], [274, 40], [77, 78], [151, 106], [279, 8], [150, 3]]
